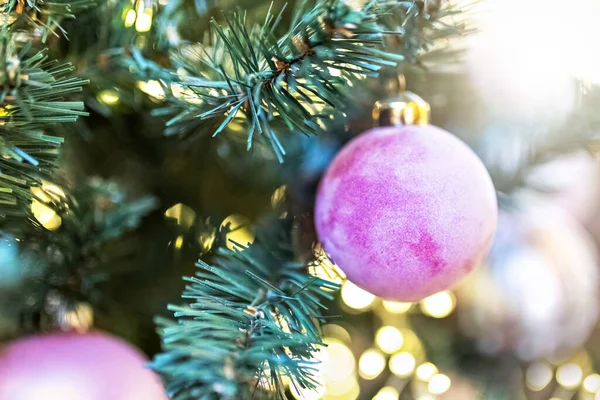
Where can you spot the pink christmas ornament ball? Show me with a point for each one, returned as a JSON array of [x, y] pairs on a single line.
[[70, 366], [406, 212]]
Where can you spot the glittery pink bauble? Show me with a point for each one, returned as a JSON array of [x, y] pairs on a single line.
[[70, 366], [406, 212]]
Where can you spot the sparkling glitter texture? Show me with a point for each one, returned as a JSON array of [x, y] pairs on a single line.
[[71, 366], [406, 212]]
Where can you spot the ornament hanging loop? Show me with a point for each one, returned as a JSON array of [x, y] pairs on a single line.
[[402, 107]]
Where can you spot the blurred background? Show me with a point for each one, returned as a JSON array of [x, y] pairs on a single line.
[[521, 87]]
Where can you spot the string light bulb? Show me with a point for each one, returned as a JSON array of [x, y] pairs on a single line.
[[395, 307], [439, 305], [387, 393], [569, 376], [592, 383], [538, 375], [371, 364], [439, 384], [402, 364], [109, 97], [355, 297], [143, 23], [389, 339], [426, 371]]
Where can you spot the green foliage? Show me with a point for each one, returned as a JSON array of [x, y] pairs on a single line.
[[33, 92], [87, 247], [251, 321], [260, 77], [43, 17]]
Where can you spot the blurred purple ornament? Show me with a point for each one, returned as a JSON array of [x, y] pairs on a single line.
[[406, 212], [538, 295], [70, 366]]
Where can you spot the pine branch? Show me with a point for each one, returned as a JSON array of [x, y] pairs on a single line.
[[85, 249], [40, 16], [32, 97], [252, 75], [250, 323]]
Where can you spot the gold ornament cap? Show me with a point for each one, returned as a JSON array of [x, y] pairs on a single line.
[[405, 108]]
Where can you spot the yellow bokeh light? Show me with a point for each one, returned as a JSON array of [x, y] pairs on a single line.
[[80, 319], [45, 215], [338, 364], [439, 384], [538, 375], [389, 339], [395, 307], [130, 18], [348, 389], [109, 97], [371, 364], [179, 242], [387, 393], [152, 88], [183, 214], [238, 232], [143, 23], [569, 375], [302, 393], [439, 305], [402, 364], [426, 371], [355, 297], [592, 383], [322, 267]]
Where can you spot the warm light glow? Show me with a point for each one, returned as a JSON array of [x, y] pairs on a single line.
[[339, 362], [238, 232], [302, 393], [355, 297], [439, 305], [334, 71], [426, 371], [387, 393], [278, 196], [79, 319], [109, 97], [45, 215], [538, 375], [569, 375], [396, 307], [152, 88], [371, 364], [389, 339], [347, 389], [130, 18], [402, 364], [439, 384], [143, 23], [183, 214], [179, 242], [592, 383]]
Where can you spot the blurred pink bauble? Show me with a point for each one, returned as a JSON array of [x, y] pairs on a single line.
[[538, 295], [406, 212], [571, 182], [70, 366]]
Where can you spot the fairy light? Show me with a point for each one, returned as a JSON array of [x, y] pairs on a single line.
[[152, 88], [44, 214], [387, 393], [181, 213], [371, 364], [395, 307], [538, 375], [389, 339], [109, 97], [143, 23], [130, 18], [355, 297], [179, 242], [340, 362], [591, 383], [439, 305], [426, 371], [569, 376], [439, 384], [402, 364], [238, 232]]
